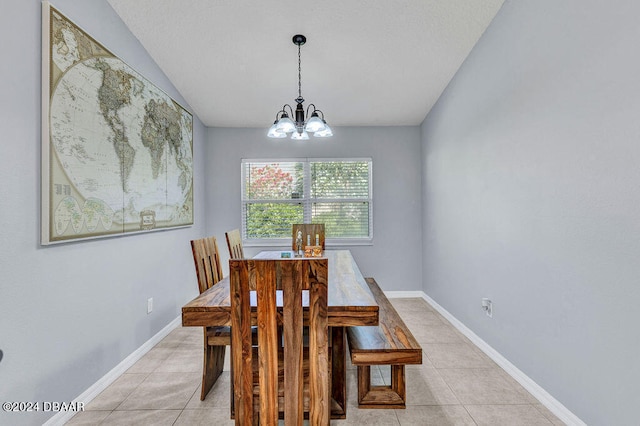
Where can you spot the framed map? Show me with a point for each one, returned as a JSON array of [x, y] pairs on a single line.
[[117, 151]]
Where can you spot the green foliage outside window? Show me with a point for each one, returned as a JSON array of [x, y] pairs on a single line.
[[270, 220]]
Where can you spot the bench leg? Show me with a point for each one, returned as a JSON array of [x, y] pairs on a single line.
[[212, 367], [338, 350], [393, 396]]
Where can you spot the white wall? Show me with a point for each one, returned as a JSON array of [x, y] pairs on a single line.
[[70, 313], [394, 258], [532, 198]]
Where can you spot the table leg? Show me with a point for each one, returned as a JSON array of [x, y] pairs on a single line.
[[338, 373]]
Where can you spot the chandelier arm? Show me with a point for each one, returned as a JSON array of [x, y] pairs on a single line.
[[314, 109], [285, 110]]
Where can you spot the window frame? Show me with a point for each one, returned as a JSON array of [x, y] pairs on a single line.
[[305, 200]]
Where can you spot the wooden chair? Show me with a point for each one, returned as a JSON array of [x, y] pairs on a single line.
[[310, 229], [234, 242], [208, 270], [270, 380]]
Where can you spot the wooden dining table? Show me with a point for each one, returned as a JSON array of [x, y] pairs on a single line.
[[350, 303]]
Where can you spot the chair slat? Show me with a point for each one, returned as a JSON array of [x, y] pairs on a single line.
[[319, 406], [265, 284], [242, 353], [292, 284]]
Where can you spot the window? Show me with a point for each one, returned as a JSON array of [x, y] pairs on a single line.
[[279, 193]]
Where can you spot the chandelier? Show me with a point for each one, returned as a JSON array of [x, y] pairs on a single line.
[[304, 123]]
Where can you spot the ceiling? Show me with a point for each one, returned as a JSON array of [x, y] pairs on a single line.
[[365, 63]]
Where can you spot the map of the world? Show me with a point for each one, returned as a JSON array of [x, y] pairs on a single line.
[[118, 155]]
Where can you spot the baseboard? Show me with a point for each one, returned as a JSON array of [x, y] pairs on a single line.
[[95, 389], [401, 294], [552, 404]]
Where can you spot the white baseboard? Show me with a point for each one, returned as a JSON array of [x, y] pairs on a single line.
[[94, 390], [552, 404], [401, 294]]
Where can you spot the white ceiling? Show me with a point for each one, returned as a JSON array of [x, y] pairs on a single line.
[[365, 63]]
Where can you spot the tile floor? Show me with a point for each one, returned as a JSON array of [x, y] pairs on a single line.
[[457, 384]]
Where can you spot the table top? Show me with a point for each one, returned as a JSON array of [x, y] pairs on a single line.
[[350, 299]]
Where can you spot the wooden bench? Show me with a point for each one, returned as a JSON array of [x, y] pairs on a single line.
[[388, 343]]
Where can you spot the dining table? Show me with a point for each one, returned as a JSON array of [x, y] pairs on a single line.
[[350, 303]]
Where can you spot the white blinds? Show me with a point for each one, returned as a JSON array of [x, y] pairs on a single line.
[[277, 194]]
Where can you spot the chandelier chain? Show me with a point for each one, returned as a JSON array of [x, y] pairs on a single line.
[[299, 74]]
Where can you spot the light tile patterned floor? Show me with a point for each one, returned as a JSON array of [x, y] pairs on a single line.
[[457, 384]]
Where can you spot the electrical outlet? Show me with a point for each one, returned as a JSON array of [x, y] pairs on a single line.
[[149, 305], [487, 307]]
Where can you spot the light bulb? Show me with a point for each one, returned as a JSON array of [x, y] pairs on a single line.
[[300, 136]]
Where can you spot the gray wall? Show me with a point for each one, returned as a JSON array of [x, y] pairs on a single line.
[[532, 196], [394, 258], [70, 313]]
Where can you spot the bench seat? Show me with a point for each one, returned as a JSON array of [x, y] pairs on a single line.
[[388, 343]]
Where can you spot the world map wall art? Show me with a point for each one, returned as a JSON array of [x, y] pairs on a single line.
[[117, 151]]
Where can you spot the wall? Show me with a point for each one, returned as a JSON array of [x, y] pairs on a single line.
[[531, 198], [394, 258], [70, 313]]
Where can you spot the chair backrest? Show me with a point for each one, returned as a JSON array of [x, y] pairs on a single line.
[[234, 242], [308, 229], [292, 276], [207, 261]]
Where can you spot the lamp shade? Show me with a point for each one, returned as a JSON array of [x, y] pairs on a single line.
[[314, 124], [324, 133], [285, 125], [274, 132]]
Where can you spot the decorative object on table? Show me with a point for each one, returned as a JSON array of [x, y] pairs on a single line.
[[117, 154], [313, 251], [311, 232], [299, 244], [304, 124]]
